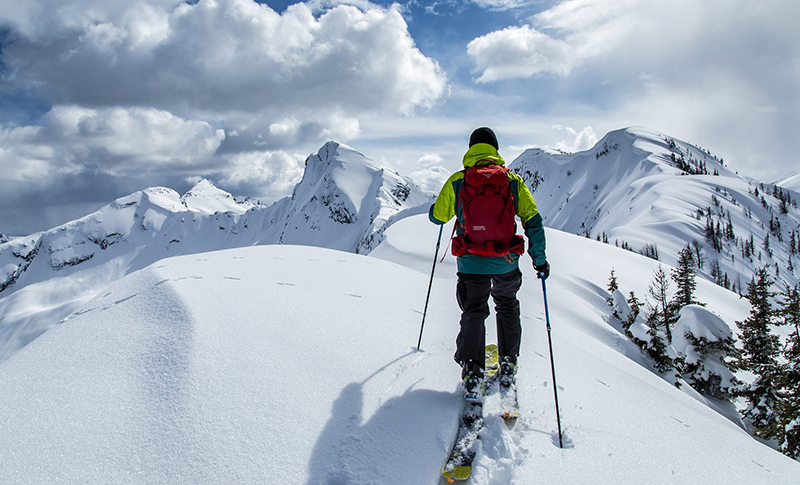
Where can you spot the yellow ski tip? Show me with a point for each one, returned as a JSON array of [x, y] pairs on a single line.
[[459, 473]]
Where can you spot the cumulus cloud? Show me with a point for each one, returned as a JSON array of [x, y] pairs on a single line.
[[117, 141], [169, 89], [430, 174], [721, 72], [518, 52], [223, 56], [639, 40], [266, 174], [578, 140]]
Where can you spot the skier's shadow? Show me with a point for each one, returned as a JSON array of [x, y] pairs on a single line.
[[386, 447]]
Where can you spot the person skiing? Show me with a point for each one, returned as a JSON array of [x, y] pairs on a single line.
[[488, 251]]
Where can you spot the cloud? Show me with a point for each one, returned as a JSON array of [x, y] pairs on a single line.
[[223, 56], [430, 178], [117, 141], [518, 52], [579, 140], [263, 174], [158, 91], [722, 72]]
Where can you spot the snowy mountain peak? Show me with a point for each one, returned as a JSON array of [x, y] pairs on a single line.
[[205, 197], [654, 194], [346, 200]]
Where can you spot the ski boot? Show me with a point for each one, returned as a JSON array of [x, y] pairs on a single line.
[[508, 372], [472, 375]]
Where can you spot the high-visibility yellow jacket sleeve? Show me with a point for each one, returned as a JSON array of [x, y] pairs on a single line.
[[444, 208]]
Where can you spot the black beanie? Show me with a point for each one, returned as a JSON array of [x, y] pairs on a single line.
[[483, 135]]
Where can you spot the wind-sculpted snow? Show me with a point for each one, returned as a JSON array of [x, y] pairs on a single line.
[[345, 201]]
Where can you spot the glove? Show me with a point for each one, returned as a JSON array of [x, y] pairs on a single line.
[[542, 270]]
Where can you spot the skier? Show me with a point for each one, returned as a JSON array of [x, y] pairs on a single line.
[[488, 251]]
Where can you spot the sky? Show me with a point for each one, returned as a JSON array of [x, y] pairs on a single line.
[[100, 98]]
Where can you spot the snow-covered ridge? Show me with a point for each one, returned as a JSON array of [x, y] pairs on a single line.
[[344, 201], [631, 189], [791, 182], [646, 190]]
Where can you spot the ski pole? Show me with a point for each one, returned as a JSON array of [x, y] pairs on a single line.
[[552, 362], [430, 284]]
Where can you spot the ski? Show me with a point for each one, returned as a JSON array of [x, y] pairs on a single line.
[[492, 365], [509, 406], [459, 464]]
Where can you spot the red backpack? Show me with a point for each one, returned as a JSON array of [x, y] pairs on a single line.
[[487, 203]]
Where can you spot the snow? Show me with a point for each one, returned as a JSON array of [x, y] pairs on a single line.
[[206, 198], [169, 339], [791, 181], [72, 263], [293, 364], [627, 189]]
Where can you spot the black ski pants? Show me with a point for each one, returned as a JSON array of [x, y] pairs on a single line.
[[472, 292]]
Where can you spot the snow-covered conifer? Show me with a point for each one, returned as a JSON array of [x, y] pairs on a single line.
[[684, 277], [788, 430], [760, 349], [661, 314]]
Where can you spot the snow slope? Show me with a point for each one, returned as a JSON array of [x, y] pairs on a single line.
[[297, 365], [629, 189], [791, 182], [344, 201]]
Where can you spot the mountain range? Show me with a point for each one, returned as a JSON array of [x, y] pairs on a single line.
[[344, 202], [636, 188]]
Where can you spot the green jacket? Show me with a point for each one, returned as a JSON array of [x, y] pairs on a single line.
[[447, 206]]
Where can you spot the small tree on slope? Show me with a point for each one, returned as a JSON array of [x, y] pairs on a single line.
[[613, 286], [650, 340], [788, 429], [759, 355], [684, 277], [662, 314]]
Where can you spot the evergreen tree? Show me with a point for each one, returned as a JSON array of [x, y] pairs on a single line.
[[788, 429], [613, 286], [759, 355], [684, 277], [657, 350], [636, 306], [698, 252], [662, 313], [706, 366]]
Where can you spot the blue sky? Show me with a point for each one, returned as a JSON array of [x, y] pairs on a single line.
[[99, 98]]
